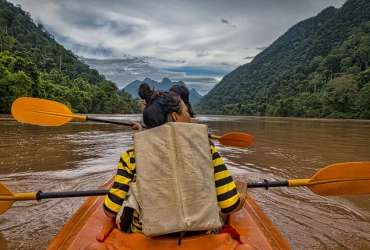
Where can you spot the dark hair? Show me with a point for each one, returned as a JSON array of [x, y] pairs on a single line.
[[183, 92], [159, 105]]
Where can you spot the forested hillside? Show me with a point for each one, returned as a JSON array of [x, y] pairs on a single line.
[[33, 64], [318, 68]]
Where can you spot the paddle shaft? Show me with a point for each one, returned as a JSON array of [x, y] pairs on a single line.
[[87, 118], [40, 195], [48, 195], [110, 121], [230, 139], [50, 113], [351, 178], [263, 184], [266, 184], [126, 124], [289, 183]]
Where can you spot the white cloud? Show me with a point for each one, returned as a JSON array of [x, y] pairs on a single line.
[[130, 40]]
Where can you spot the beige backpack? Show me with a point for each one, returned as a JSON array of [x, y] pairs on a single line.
[[175, 185]]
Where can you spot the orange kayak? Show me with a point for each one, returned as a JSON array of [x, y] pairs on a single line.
[[79, 233]]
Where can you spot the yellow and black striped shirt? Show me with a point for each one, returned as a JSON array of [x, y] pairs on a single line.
[[227, 195]]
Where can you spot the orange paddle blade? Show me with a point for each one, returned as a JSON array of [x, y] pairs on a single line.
[[235, 139], [7, 202], [348, 178], [41, 112]]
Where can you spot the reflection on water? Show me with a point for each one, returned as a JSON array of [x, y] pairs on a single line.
[[82, 155], [286, 148]]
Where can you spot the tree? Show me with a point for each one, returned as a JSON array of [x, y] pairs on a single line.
[[343, 89], [109, 87], [286, 107], [364, 77], [363, 101], [6, 19], [13, 86], [332, 63], [28, 67], [79, 100], [315, 81]]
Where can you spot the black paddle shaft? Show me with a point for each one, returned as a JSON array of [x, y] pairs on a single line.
[[40, 195], [118, 122], [110, 121], [266, 184]]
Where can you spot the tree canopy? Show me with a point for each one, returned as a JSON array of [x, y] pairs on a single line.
[[33, 64]]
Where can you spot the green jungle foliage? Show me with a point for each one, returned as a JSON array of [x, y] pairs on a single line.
[[33, 64], [318, 68]]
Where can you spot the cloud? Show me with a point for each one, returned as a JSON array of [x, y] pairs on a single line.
[[261, 48], [228, 23], [130, 40]]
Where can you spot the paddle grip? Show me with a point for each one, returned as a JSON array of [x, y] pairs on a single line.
[[40, 195]]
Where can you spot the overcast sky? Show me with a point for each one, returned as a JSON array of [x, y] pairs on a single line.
[[196, 41]]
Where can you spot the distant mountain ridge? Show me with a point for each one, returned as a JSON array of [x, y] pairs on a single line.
[[165, 84], [318, 68]]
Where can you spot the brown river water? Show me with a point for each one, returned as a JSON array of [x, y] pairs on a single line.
[[82, 155]]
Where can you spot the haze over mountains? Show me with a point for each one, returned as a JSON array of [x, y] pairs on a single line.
[[165, 84]]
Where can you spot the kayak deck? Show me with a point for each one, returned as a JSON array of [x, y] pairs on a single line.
[[79, 233]]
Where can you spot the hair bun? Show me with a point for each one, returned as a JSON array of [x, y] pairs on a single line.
[[150, 96]]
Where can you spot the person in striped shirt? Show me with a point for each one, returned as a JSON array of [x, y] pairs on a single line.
[[162, 107]]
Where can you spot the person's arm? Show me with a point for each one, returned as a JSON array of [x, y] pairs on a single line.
[[229, 200], [137, 126], [106, 230], [225, 217], [125, 173], [240, 204], [108, 214], [241, 186]]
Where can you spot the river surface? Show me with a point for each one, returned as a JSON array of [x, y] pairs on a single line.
[[82, 155]]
